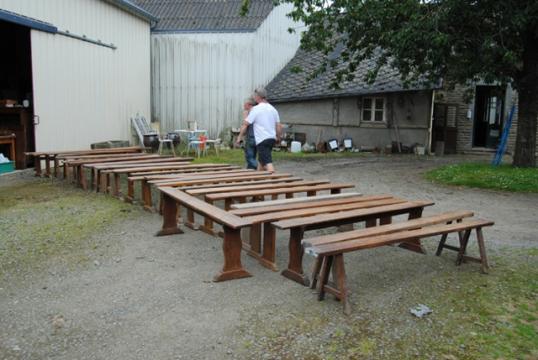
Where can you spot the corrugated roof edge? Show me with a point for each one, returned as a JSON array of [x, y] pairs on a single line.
[[134, 9], [27, 21], [203, 31], [349, 94]]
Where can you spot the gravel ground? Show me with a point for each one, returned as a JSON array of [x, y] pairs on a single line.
[[152, 298]]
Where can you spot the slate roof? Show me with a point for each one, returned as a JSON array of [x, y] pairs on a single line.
[[291, 85], [206, 15]]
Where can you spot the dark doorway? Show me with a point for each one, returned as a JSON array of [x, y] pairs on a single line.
[[488, 118], [444, 137], [16, 114]]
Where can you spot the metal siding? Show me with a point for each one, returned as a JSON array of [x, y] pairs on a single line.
[[85, 93], [205, 77]]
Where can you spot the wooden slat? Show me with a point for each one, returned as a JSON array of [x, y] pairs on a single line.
[[301, 199], [104, 156], [119, 160], [401, 236], [246, 175], [281, 215], [307, 204], [254, 187], [90, 151], [201, 207], [377, 211], [298, 189], [180, 163], [241, 183], [170, 173], [387, 229]]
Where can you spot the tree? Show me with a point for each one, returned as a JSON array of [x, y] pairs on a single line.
[[460, 41]]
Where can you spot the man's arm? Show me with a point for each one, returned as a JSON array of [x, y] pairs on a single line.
[[278, 131], [242, 131]]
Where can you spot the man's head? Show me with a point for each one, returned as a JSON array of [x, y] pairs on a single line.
[[260, 94], [249, 103]]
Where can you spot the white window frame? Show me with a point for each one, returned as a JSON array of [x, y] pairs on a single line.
[[373, 110]]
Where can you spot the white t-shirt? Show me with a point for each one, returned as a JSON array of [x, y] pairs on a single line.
[[264, 118]]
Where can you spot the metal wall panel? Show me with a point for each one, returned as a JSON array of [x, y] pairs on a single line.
[[83, 92], [205, 77]]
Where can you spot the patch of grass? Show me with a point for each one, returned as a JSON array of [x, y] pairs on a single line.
[[237, 157], [41, 221], [504, 177], [475, 316]]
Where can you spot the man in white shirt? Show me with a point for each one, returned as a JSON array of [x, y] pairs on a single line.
[[267, 129]]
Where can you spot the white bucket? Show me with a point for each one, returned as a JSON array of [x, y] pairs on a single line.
[[295, 146]]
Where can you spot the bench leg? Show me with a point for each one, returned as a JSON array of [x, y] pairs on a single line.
[[189, 222], [252, 245], [269, 239], [232, 269], [56, 166], [47, 167], [340, 280], [482, 248], [315, 272], [37, 165], [324, 276], [295, 265], [170, 211], [463, 247]]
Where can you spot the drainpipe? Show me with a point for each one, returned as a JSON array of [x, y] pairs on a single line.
[[430, 129]]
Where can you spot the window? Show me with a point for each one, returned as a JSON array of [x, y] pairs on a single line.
[[373, 109]]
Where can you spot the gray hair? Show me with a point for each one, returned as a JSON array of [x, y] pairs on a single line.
[[250, 100], [261, 92]]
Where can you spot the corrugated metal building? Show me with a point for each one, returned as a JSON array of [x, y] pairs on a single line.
[[87, 67], [206, 58]]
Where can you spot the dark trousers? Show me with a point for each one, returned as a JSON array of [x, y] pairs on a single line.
[[250, 153]]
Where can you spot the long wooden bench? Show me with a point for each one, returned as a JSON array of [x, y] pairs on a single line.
[[299, 225], [232, 224], [329, 249]]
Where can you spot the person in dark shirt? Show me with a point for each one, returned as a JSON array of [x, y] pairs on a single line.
[[250, 141]]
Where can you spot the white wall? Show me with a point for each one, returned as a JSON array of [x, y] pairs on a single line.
[[205, 77], [86, 93]]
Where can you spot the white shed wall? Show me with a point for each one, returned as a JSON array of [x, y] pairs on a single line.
[[86, 93], [205, 77]]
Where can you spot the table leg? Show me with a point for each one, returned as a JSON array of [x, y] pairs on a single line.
[[208, 223], [83, 178], [482, 248], [56, 166], [37, 165], [269, 249], [414, 244], [295, 265], [116, 185], [170, 210], [130, 191], [47, 167], [190, 223], [232, 269], [146, 195]]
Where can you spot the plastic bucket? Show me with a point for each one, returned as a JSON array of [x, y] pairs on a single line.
[[295, 146]]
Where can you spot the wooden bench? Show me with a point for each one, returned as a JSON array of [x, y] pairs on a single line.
[[48, 156], [329, 249], [232, 268], [205, 178], [298, 226], [75, 162]]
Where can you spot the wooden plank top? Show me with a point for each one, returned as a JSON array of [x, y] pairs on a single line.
[[375, 241], [334, 209], [241, 183], [277, 191], [124, 169], [201, 207], [388, 229], [216, 179], [118, 160], [343, 215], [89, 151], [194, 167], [322, 201], [301, 199], [101, 156], [242, 187], [102, 165]]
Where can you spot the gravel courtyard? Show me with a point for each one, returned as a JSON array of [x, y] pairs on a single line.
[[135, 296]]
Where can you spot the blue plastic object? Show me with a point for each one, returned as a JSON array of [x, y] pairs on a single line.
[[504, 139]]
